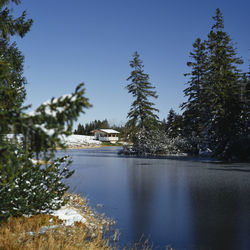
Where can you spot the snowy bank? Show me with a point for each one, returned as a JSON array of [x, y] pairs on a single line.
[[71, 141], [74, 226], [69, 216], [80, 141]]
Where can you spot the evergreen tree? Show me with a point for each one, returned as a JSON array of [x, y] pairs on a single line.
[[10, 26], [104, 124], [89, 127], [195, 108], [223, 89], [174, 124], [247, 93], [12, 91], [26, 187], [142, 114], [80, 130], [214, 112], [163, 125]]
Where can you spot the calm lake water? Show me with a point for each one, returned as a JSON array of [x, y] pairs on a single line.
[[183, 203]]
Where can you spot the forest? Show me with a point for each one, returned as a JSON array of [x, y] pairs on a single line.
[[215, 119]]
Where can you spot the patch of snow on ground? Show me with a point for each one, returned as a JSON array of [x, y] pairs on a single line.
[[79, 140], [69, 216], [71, 140]]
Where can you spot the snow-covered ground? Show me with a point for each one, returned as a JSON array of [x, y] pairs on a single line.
[[71, 141], [80, 141], [69, 215]]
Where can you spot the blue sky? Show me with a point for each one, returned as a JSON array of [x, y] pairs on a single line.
[[92, 41]]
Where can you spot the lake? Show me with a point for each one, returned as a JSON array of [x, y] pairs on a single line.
[[185, 204]]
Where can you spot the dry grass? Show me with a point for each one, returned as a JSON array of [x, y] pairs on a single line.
[[48, 232]]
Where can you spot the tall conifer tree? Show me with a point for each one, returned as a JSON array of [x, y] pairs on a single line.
[[195, 108], [223, 88], [142, 114], [215, 111]]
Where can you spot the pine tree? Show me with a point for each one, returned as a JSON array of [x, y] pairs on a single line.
[[222, 89], [174, 124], [247, 93], [163, 125], [10, 26], [27, 187], [80, 130], [12, 91], [142, 114], [214, 112], [195, 108]]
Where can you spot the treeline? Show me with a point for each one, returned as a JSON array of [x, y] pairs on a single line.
[[89, 127], [216, 116], [98, 124]]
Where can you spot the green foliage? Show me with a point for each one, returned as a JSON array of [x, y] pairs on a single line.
[[224, 89], [12, 61], [174, 124], [89, 127], [214, 112], [9, 25], [195, 108], [80, 130], [142, 112], [122, 129], [28, 186], [155, 143]]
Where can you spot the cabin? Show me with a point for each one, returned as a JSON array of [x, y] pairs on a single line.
[[106, 135]]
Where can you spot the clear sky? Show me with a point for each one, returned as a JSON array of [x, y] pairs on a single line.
[[92, 41]]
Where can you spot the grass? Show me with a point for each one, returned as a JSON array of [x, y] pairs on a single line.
[[45, 231], [111, 144]]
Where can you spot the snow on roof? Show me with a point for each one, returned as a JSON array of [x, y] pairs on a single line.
[[109, 131]]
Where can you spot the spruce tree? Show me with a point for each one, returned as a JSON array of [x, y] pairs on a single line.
[[222, 89], [12, 91], [247, 93], [214, 112], [142, 114], [31, 176], [195, 108], [174, 124]]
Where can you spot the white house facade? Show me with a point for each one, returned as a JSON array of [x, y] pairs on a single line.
[[106, 135]]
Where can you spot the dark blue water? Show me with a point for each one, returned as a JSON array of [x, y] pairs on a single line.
[[184, 204]]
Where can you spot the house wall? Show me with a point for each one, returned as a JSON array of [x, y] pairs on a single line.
[[109, 139], [101, 136]]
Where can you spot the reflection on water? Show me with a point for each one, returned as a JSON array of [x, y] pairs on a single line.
[[185, 204]]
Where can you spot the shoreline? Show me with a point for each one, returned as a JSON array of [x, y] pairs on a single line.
[[76, 225], [80, 147], [87, 146]]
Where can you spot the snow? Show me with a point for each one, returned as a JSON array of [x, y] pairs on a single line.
[[109, 131], [61, 98], [48, 111], [69, 216], [48, 132], [79, 140], [13, 136], [70, 141], [57, 110]]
